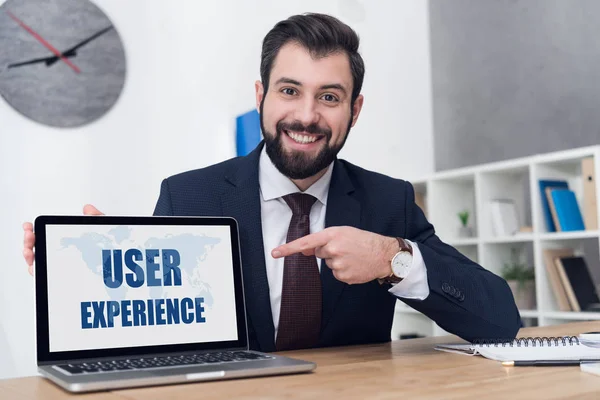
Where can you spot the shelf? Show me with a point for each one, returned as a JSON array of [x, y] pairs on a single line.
[[569, 235], [561, 157], [572, 315], [507, 167], [459, 175], [463, 242], [473, 188], [519, 238], [529, 313]]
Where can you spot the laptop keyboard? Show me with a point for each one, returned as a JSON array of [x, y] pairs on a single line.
[[161, 362]]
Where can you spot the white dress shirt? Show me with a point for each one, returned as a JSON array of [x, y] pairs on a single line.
[[276, 216]]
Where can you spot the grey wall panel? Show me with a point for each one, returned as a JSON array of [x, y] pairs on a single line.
[[512, 78]]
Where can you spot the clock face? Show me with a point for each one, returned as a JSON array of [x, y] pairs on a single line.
[[62, 62]]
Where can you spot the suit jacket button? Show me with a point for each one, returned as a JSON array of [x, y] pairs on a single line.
[[458, 294], [445, 288], [462, 297], [453, 291]]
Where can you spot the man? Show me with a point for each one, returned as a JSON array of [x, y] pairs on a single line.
[[328, 247]]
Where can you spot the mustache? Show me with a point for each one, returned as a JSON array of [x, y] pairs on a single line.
[[300, 127]]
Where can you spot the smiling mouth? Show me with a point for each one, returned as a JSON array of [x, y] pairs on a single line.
[[302, 138]]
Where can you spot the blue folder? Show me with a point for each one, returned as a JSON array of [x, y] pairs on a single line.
[[567, 210], [544, 183], [247, 132]]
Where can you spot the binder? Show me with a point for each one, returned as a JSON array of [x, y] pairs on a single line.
[[248, 134], [590, 201], [547, 183], [578, 283], [560, 294]]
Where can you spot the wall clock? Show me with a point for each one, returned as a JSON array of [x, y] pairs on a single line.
[[62, 62]]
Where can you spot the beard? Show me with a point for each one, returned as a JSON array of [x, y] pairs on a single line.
[[297, 164]]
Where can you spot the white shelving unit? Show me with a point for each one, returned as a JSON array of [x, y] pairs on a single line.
[[448, 192]]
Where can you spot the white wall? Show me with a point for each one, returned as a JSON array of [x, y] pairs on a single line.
[[191, 69]]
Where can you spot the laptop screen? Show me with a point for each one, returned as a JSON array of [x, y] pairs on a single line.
[[126, 286]]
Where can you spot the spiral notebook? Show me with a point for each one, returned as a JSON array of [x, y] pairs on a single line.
[[527, 349]]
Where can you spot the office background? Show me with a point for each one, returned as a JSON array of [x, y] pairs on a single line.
[[447, 84], [513, 78], [191, 69]]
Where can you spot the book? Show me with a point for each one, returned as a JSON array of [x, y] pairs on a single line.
[[543, 184], [552, 208], [565, 210], [505, 219], [550, 255], [590, 202], [578, 283], [567, 285], [527, 349]]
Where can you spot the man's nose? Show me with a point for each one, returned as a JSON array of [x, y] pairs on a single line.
[[307, 112]]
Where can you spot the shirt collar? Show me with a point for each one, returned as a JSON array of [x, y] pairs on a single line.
[[273, 184]]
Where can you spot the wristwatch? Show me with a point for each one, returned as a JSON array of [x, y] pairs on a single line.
[[400, 263]]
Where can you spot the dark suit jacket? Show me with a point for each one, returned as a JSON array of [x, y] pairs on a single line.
[[464, 299]]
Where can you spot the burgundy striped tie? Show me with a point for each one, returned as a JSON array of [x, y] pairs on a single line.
[[301, 297]]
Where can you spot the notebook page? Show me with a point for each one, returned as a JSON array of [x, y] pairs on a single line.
[[568, 352]]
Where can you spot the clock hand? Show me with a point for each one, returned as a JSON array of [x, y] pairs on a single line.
[[86, 41], [72, 52], [43, 42], [52, 60], [48, 60]]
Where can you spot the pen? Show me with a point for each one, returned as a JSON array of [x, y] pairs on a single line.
[[543, 363]]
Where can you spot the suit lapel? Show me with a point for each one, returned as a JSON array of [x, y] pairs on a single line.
[[242, 201], [342, 210]]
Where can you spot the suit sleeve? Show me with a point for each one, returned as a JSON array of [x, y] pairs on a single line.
[[464, 298], [163, 205]]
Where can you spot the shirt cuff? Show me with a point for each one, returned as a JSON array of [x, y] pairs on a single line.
[[415, 285]]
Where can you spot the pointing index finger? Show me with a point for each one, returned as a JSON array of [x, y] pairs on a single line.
[[301, 245]]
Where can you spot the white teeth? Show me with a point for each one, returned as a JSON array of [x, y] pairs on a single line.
[[301, 138]]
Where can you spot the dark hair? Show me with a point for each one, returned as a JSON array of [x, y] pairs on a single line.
[[322, 35]]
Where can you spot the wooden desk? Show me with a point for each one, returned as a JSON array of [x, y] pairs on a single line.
[[408, 369]]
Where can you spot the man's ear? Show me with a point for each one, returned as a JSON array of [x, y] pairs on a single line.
[[260, 93], [356, 107]]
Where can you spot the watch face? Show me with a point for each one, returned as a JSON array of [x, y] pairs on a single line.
[[401, 264], [62, 62]]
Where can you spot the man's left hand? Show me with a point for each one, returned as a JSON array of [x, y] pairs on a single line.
[[354, 256]]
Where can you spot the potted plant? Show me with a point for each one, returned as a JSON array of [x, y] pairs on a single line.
[[464, 230], [521, 280]]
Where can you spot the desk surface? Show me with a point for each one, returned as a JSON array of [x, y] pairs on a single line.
[[409, 369]]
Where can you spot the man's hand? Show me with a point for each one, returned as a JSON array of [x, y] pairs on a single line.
[[29, 237], [354, 255]]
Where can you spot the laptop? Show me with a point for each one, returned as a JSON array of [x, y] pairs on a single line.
[[137, 301]]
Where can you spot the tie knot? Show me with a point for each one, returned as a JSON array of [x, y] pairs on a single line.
[[300, 203]]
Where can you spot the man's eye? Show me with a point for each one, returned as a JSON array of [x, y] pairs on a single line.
[[329, 98], [289, 91]]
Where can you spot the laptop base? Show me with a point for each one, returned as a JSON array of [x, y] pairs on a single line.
[[278, 365]]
